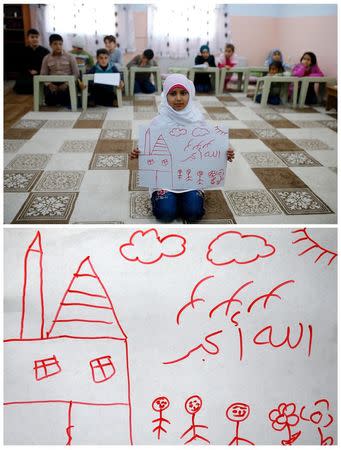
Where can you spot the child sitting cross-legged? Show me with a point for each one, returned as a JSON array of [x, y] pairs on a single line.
[[177, 108], [102, 94]]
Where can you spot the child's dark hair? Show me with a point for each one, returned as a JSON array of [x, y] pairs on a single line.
[[148, 53], [102, 51], [312, 57], [33, 32], [54, 38], [278, 65], [109, 38], [231, 46]]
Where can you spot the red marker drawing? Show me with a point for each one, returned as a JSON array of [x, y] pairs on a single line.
[[159, 405], [313, 245], [238, 412], [192, 406]]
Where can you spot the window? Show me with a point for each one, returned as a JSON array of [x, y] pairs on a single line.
[[102, 369], [44, 368]]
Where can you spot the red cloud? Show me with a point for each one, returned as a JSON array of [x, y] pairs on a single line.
[[233, 246], [146, 247]]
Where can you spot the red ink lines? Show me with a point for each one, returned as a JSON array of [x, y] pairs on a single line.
[[269, 295], [234, 247], [214, 350], [159, 405], [193, 299], [192, 406], [306, 238], [147, 247], [238, 412]]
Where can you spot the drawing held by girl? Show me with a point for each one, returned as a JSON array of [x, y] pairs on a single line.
[[177, 108]]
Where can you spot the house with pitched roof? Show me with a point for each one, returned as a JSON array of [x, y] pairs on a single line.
[[67, 382]]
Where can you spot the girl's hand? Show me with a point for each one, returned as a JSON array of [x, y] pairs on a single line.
[[134, 153], [230, 154], [121, 84]]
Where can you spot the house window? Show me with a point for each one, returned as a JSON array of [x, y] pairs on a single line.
[[44, 368], [102, 369]]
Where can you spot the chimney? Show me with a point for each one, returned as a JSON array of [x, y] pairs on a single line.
[[32, 314]]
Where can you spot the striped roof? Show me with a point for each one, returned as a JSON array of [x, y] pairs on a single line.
[[86, 309]]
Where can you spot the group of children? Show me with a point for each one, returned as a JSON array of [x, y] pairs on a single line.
[[39, 60], [177, 107]]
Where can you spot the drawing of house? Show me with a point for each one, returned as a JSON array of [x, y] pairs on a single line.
[[67, 383], [155, 159]]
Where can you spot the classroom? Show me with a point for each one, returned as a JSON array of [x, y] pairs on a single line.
[[73, 160]]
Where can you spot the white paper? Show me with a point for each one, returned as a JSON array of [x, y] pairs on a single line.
[[189, 157], [188, 294], [112, 79]]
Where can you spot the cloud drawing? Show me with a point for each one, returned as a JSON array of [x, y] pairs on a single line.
[[147, 247]]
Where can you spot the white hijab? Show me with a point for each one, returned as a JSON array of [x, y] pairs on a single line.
[[167, 115]]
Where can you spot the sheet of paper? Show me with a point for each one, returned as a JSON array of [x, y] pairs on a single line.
[[167, 336], [113, 79], [183, 157]]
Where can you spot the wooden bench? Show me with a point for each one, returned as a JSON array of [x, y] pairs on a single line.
[[154, 70], [285, 82], [212, 70], [90, 77], [38, 88]]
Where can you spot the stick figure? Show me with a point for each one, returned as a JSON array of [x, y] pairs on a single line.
[[238, 412], [159, 405], [192, 406]]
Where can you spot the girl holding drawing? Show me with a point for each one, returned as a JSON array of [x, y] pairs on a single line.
[[178, 108]]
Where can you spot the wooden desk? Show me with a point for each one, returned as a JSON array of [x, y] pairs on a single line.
[[285, 81], [242, 72], [322, 81], [38, 88], [331, 97], [213, 70], [154, 70], [86, 79]]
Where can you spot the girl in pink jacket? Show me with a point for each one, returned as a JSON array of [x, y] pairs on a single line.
[[308, 68], [227, 60]]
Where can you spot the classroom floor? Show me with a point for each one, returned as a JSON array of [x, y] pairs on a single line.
[[65, 167]]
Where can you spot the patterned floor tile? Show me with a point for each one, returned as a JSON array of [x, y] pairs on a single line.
[[59, 124], [297, 159], [268, 115], [257, 124], [278, 178], [241, 133], [28, 124], [252, 203], [109, 161], [144, 108], [332, 124], [115, 134], [59, 181], [114, 146], [312, 144], [305, 109], [13, 145], [118, 124], [310, 123], [262, 159], [216, 208], [20, 181], [283, 123], [134, 181], [78, 146], [40, 208], [219, 113], [88, 124], [140, 205], [300, 201], [20, 133], [29, 162], [92, 115], [268, 133], [149, 115], [280, 144]]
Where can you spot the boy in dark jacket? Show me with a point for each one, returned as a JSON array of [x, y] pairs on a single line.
[[102, 94], [31, 59]]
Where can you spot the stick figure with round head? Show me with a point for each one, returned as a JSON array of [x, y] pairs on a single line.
[[238, 412], [159, 405], [192, 406]]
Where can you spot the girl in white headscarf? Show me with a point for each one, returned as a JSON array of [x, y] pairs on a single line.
[[177, 107]]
